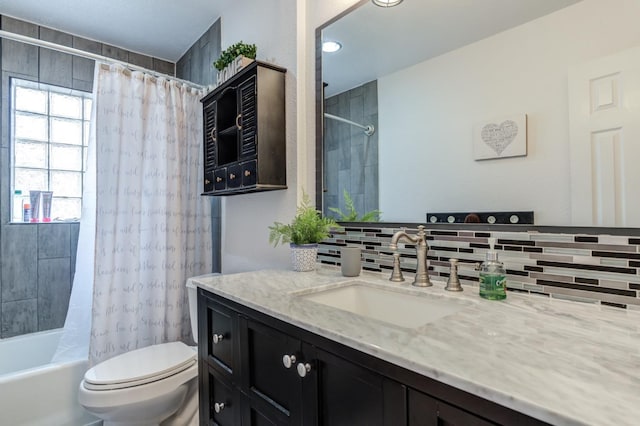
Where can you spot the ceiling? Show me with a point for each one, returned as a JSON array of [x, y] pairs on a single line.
[[161, 28], [378, 41]]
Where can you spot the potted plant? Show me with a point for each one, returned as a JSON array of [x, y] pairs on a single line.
[[232, 52], [304, 233]]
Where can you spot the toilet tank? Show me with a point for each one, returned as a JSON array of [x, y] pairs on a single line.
[[192, 294]]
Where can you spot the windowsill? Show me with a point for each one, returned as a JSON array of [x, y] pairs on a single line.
[[45, 223]]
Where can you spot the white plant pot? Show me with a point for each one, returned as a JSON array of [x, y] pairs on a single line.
[[303, 257]]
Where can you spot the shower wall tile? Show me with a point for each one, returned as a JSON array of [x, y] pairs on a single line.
[[38, 261], [19, 317], [19, 262], [19, 27], [141, 60], [53, 240], [196, 65], [20, 58], [54, 290], [56, 68]]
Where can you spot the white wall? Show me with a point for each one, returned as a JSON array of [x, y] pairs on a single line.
[[283, 31], [429, 111]]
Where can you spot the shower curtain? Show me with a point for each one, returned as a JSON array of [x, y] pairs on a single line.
[[149, 229]]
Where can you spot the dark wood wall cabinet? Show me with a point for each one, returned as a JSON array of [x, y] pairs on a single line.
[[244, 132], [257, 370]]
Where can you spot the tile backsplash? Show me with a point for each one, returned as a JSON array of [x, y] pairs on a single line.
[[601, 269]]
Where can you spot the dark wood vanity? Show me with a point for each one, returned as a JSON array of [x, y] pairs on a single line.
[[257, 370]]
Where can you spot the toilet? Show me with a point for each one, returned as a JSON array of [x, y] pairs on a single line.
[[155, 385]]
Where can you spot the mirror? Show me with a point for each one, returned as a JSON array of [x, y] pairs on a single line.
[[440, 80]]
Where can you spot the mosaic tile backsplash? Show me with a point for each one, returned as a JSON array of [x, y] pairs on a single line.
[[601, 269]]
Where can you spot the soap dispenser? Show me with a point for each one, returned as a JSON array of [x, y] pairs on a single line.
[[493, 280]]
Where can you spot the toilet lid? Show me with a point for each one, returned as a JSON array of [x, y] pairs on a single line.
[[140, 366]]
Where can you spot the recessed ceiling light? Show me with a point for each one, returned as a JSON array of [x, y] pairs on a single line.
[[330, 46], [386, 3]]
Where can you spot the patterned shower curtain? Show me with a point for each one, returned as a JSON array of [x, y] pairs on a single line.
[[152, 228]]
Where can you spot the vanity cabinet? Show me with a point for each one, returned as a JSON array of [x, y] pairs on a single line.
[[273, 373], [244, 132]]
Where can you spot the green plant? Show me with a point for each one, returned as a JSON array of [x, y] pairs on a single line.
[[232, 52], [351, 214], [307, 227]]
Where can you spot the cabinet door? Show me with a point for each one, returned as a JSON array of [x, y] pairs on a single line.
[[427, 411], [224, 403], [350, 395], [209, 145], [221, 340], [248, 117], [274, 389]]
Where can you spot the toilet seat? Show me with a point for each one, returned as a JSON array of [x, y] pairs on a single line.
[[140, 367]]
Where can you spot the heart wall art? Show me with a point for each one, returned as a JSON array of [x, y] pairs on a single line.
[[500, 138]]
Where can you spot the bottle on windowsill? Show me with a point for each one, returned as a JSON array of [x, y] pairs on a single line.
[[493, 276]]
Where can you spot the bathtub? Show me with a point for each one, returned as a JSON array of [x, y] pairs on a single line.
[[34, 391]]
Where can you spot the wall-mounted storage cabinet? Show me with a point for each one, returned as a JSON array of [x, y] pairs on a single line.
[[244, 132]]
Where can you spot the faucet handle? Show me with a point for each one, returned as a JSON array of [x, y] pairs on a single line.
[[396, 275], [453, 283]]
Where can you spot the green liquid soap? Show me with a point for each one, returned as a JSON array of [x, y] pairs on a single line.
[[493, 276], [493, 286]]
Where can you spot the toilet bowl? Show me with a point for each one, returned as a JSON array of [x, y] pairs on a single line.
[[154, 385]]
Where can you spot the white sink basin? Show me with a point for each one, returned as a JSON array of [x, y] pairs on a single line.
[[395, 306]]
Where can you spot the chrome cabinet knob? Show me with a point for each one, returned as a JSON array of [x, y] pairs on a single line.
[[217, 338], [218, 407], [303, 369], [288, 360]]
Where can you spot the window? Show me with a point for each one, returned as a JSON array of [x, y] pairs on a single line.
[[49, 137]]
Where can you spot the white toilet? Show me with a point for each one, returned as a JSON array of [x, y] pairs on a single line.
[[156, 385]]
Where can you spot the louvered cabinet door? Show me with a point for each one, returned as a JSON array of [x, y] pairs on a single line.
[[210, 136], [248, 118]]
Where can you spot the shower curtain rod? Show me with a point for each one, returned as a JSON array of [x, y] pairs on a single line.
[[66, 49], [368, 129]]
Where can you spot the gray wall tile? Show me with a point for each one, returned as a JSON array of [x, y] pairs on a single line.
[[56, 68], [115, 53], [83, 69], [195, 65], [53, 292], [55, 36], [87, 45], [164, 67], [19, 317], [20, 58], [53, 240], [19, 262], [19, 27], [141, 60]]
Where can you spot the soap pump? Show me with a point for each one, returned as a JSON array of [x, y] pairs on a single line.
[[493, 281]]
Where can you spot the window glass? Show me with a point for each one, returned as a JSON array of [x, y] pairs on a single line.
[[49, 137]]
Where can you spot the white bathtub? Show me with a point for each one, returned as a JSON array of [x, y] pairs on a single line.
[[34, 391]]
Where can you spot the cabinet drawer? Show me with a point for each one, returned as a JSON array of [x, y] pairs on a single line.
[[234, 176], [209, 181], [224, 401], [220, 179], [249, 173]]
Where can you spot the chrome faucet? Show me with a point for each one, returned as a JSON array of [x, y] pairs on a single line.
[[420, 241]]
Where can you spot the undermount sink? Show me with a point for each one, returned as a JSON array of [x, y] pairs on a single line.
[[407, 309]]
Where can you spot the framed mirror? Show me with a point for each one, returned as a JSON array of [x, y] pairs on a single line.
[[437, 81]]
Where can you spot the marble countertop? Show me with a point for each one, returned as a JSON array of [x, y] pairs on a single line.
[[562, 362]]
